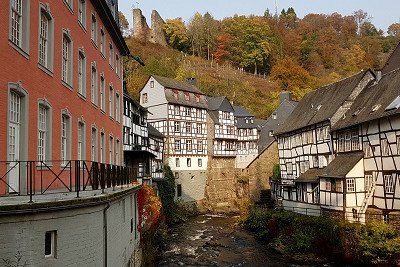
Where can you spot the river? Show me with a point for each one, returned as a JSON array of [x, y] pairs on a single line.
[[216, 240]]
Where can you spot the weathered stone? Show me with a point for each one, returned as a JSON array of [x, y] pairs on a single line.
[[143, 32]]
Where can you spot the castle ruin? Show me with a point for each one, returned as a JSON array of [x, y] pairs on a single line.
[[143, 32]]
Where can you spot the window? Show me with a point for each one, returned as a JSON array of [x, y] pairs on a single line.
[[82, 12], [144, 98], [341, 142], [117, 66], [45, 38], [111, 102], [189, 162], [200, 162], [151, 84], [369, 180], [94, 144], [176, 110], [289, 168], [348, 141], [197, 99], [198, 128], [50, 244], [19, 22], [328, 186], [322, 162], [398, 145], [65, 138], [93, 85], [111, 55], [351, 187], [189, 145], [274, 116], [94, 29], [81, 140], [82, 74], [102, 93], [179, 190], [188, 127], [176, 94], [102, 148], [102, 42], [187, 96], [111, 150], [385, 147], [187, 112], [271, 133], [117, 148], [67, 60], [44, 132], [315, 162], [389, 183], [177, 162], [338, 186], [177, 126], [368, 151], [198, 113], [117, 107], [355, 145], [200, 146]]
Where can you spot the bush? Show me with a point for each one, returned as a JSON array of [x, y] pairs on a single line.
[[276, 172], [339, 241]]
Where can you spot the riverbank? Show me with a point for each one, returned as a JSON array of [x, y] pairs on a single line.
[[216, 240]]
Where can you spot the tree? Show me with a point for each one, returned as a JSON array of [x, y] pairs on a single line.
[[176, 34], [394, 30], [210, 32], [123, 24], [360, 17], [222, 52], [195, 33]]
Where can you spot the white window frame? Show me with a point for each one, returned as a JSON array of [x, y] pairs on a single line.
[[111, 102], [350, 185], [389, 181], [368, 181], [102, 42], [111, 150], [81, 140], [81, 73], [93, 84], [102, 147], [93, 145], [53, 244], [82, 13], [102, 93], [117, 107], [94, 28], [44, 131], [66, 62], [66, 131], [46, 38], [19, 26], [117, 154]]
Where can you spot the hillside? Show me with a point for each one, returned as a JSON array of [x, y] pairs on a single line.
[[257, 94]]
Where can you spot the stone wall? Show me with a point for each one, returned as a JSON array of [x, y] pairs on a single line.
[[143, 32], [80, 235], [193, 184], [259, 171]]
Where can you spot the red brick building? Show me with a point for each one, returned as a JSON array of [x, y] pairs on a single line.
[[61, 90]]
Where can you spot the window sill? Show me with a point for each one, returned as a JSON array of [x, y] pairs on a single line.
[[82, 96], [70, 8], [103, 111], [82, 26], [67, 85], [95, 105], [103, 56], [19, 49], [42, 167], [45, 70], [94, 43]]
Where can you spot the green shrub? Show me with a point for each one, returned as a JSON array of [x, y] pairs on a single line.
[[276, 172]]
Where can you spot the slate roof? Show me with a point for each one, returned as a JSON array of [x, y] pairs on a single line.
[[241, 114], [310, 176], [383, 93], [342, 164], [219, 103], [154, 132], [393, 62], [136, 103], [282, 113], [178, 85], [321, 104], [169, 95]]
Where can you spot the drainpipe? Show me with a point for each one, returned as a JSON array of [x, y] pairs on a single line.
[[105, 249]]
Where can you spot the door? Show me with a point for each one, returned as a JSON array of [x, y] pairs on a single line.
[[14, 130]]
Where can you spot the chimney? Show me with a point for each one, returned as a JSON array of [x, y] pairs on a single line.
[[285, 95], [192, 81]]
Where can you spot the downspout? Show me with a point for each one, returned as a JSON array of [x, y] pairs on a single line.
[[105, 249]]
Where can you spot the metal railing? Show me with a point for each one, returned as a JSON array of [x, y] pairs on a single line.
[[29, 178]]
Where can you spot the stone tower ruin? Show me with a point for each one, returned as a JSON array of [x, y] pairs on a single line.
[[143, 32]]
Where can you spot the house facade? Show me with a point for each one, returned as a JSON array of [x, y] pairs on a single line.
[[61, 136], [178, 110], [305, 143], [248, 135]]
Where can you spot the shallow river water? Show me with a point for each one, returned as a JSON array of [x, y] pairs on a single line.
[[216, 240]]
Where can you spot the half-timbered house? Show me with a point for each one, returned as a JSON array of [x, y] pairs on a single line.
[[246, 146], [305, 144], [156, 143], [369, 135], [221, 113], [178, 110], [137, 152]]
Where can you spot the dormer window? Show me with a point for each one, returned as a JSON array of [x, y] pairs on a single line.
[[271, 133], [197, 98], [376, 108], [274, 116], [187, 97], [394, 105], [319, 107], [176, 94]]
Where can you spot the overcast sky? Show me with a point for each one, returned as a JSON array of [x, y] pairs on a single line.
[[383, 12]]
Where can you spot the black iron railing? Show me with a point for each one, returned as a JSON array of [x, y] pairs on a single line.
[[29, 178]]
